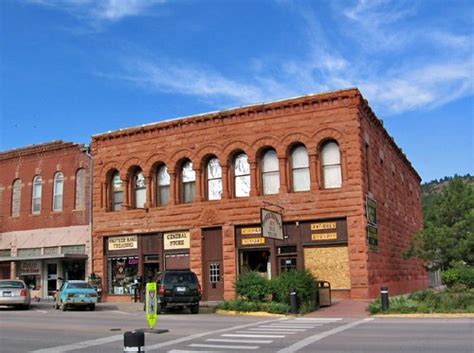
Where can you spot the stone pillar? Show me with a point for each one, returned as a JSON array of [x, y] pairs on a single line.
[[172, 200], [225, 182], [229, 261], [126, 194], [253, 178], [198, 189], [283, 175], [150, 202], [313, 171]]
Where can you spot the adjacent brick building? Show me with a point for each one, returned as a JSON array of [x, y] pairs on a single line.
[[188, 193], [45, 218]]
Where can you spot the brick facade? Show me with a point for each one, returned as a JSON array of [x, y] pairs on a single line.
[[48, 236], [342, 116]]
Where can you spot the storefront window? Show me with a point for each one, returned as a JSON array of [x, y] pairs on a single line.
[[256, 260], [122, 271], [33, 282]]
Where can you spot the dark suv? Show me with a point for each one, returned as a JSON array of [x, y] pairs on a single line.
[[178, 288]]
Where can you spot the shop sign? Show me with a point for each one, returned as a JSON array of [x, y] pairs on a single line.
[[176, 240], [251, 231], [324, 236], [30, 268], [123, 243], [323, 226], [272, 224], [373, 238], [253, 241]]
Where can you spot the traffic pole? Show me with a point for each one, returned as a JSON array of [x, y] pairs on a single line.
[[384, 298]]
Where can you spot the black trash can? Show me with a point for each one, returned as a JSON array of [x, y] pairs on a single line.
[[324, 293]]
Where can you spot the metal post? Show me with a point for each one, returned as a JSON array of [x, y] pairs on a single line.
[[293, 302], [384, 298], [133, 341]]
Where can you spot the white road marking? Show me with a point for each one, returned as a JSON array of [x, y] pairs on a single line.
[[221, 346], [288, 326], [41, 311], [122, 312], [199, 335], [237, 341], [265, 328], [80, 345], [252, 336], [311, 339], [186, 351], [317, 319]]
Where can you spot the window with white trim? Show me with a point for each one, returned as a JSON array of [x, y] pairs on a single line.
[[270, 173], [58, 191], [331, 165], [241, 175], [116, 192], [188, 178], [163, 188], [214, 179], [300, 169], [16, 198], [139, 188], [36, 195]]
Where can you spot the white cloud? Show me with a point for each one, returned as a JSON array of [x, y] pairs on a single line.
[[104, 10]]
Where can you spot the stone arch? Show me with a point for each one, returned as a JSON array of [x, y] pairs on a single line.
[[297, 138], [178, 157], [154, 160], [326, 134], [107, 168], [232, 147], [265, 142], [129, 165], [202, 156]]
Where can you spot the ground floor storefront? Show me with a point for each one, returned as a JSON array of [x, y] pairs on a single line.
[[219, 254]]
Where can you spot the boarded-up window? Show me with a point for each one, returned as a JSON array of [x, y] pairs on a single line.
[[80, 203], [329, 264], [16, 198]]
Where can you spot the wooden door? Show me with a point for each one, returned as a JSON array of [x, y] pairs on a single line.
[[212, 265]]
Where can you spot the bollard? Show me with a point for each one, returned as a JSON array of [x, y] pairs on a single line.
[[293, 302], [384, 298], [133, 341]]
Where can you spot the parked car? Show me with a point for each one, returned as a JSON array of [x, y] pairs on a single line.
[[75, 294], [14, 292], [178, 288]]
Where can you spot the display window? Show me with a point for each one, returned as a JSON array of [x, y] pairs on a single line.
[[33, 282], [122, 271]]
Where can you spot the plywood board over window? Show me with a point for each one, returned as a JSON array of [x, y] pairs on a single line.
[[329, 264]]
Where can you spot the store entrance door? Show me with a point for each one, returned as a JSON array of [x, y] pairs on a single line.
[[51, 278], [213, 283]]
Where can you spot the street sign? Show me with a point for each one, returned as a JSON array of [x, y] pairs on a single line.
[[151, 304], [272, 224]]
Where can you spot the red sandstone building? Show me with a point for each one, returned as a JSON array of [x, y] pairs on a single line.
[[188, 193], [45, 223]]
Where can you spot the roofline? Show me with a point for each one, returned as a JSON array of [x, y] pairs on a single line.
[[212, 114], [45, 147]]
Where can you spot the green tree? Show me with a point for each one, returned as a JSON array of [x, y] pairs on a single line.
[[448, 235]]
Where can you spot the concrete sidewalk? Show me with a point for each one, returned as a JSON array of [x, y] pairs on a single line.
[[343, 308]]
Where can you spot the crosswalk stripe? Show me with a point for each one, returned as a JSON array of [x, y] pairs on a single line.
[[252, 336], [266, 328], [286, 327], [238, 341], [221, 346], [316, 319], [265, 331]]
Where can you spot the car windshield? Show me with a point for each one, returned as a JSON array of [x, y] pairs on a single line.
[[11, 284], [176, 278], [79, 286]]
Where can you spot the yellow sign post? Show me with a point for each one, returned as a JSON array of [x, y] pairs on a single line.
[[151, 304]]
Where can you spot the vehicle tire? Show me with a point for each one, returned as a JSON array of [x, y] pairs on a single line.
[[92, 307], [194, 309], [63, 307], [25, 307]]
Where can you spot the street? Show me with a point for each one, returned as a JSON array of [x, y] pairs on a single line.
[[45, 330]]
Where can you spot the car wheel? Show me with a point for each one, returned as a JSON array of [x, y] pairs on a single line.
[[194, 309], [25, 307], [63, 307], [92, 307]]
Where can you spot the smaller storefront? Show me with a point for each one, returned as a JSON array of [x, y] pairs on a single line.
[[139, 258], [317, 245]]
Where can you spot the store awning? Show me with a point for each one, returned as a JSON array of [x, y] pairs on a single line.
[[44, 257]]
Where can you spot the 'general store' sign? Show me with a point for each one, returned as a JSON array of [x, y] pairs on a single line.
[[176, 240], [123, 243], [30, 268]]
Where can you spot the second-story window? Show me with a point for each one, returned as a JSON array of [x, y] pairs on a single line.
[[36, 195], [241, 175], [214, 179], [300, 169], [58, 191], [80, 199], [16, 198], [139, 188], [163, 188], [188, 177], [270, 173], [331, 165], [117, 192]]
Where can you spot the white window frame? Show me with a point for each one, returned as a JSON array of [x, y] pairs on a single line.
[[188, 181], [241, 178], [331, 165], [214, 179], [36, 194], [163, 183], [58, 189], [297, 171], [270, 172]]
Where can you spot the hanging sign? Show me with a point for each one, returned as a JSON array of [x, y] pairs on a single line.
[[151, 304], [272, 224]]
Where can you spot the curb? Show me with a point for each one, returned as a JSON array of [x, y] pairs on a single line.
[[434, 316]]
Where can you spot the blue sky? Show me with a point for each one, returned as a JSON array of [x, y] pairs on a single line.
[[71, 69]]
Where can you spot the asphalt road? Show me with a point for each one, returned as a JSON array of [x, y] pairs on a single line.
[[45, 330]]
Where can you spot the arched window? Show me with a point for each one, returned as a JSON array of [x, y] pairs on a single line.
[[242, 175], [80, 199], [270, 173], [36, 195], [300, 169], [188, 178], [163, 189], [214, 179], [16, 198], [331, 165], [116, 192], [139, 189], [58, 191]]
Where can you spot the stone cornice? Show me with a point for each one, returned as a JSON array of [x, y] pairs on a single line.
[[38, 149]]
